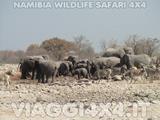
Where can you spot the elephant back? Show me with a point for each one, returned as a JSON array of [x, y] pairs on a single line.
[[107, 61], [142, 58], [114, 52], [35, 57]]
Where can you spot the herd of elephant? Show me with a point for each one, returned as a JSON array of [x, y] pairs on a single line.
[[113, 60]]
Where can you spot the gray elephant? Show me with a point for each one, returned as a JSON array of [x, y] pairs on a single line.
[[135, 60], [106, 62], [65, 68], [81, 72], [84, 64], [27, 65], [38, 57], [117, 52], [72, 59], [46, 69], [113, 52], [103, 63]]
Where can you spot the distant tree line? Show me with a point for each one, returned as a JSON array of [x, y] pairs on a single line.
[[58, 48], [140, 45]]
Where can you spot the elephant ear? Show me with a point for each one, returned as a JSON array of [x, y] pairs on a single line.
[[128, 61], [127, 58], [124, 59]]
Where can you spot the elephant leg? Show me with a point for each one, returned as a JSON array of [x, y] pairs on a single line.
[[89, 72], [23, 76], [39, 78], [78, 75], [98, 76], [72, 73], [87, 76], [33, 72], [47, 77], [58, 74], [82, 74], [37, 75], [54, 75], [28, 74], [52, 79], [43, 78]]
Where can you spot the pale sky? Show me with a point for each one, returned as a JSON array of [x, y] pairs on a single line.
[[21, 27]]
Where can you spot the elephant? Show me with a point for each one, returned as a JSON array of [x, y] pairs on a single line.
[[117, 52], [94, 68], [106, 62], [103, 63], [38, 57], [81, 72], [113, 52], [65, 68], [27, 65], [72, 59], [135, 60], [84, 64], [46, 69]]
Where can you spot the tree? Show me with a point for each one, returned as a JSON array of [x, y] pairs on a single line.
[[132, 42], [142, 45], [103, 45], [35, 49], [152, 46], [84, 47], [20, 54], [108, 44], [58, 48], [8, 57], [79, 41]]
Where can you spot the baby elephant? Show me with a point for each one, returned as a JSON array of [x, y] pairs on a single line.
[[81, 72]]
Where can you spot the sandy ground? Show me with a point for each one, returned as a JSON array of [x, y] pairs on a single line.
[[70, 99]]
